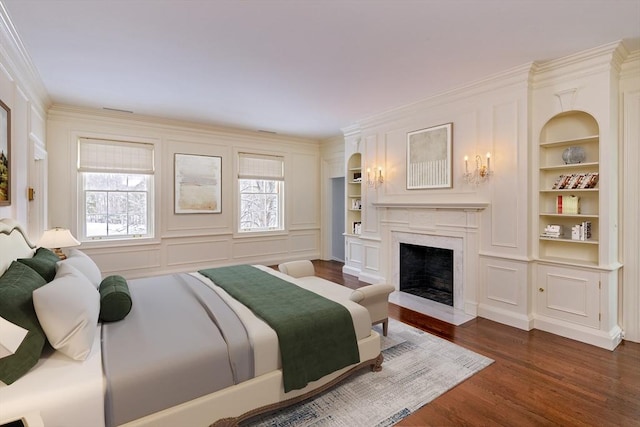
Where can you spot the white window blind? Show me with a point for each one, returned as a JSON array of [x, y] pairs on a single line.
[[99, 155], [259, 166]]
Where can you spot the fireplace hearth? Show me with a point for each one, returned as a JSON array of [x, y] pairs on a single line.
[[427, 272]]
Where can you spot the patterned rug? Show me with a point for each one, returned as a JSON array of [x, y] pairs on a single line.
[[417, 368]]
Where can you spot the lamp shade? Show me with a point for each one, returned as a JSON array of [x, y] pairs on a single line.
[[57, 238]]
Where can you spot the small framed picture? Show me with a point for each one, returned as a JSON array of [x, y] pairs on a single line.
[[5, 155]]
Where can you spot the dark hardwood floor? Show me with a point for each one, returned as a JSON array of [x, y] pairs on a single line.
[[538, 379]]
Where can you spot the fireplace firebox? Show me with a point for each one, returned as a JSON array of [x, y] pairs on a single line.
[[427, 272]]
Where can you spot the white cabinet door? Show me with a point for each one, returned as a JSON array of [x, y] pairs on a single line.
[[568, 294]]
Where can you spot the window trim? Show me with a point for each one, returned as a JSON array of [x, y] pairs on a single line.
[[283, 229], [77, 195]]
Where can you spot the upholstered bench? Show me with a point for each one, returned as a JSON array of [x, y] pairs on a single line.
[[373, 297]]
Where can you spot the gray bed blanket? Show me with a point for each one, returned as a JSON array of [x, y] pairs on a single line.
[[179, 342]]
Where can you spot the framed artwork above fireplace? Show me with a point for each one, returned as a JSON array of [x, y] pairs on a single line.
[[429, 157]]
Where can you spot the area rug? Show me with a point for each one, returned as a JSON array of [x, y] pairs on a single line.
[[417, 368]]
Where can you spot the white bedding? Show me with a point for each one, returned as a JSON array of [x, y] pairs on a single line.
[[69, 393], [46, 391], [265, 340]]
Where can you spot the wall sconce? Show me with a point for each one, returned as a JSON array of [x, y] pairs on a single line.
[[481, 173], [57, 238], [377, 179]]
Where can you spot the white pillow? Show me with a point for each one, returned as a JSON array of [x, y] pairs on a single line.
[[85, 265], [11, 336], [68, 309]]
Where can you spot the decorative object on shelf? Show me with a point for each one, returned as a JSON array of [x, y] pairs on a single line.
[[357, 177], [5, 155], [429, 157], [58, 238], [356, 204], [574, 155], [481, 173], [377, 179], [197, 184]]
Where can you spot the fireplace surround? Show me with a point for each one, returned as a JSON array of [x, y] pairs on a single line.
[[430, 245]]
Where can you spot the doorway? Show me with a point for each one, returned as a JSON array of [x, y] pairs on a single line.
[[337, 219]]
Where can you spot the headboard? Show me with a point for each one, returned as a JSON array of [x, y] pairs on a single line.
[[14, 243]]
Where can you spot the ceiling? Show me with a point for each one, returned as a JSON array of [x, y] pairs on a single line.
[[303, 68]]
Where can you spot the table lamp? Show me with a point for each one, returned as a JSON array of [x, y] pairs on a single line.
[[58, 238]]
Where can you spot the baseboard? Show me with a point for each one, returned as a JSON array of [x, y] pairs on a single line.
[[351, 271], [370, 278], [505, 317], [607, 340]]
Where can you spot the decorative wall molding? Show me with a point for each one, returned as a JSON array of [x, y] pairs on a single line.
[[516, 78], [466, 206], [14, 54], [579, 65]]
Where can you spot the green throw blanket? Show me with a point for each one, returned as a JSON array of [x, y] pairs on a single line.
[[316, 335]]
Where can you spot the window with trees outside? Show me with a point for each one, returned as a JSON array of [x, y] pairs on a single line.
[[116, 189], [261, 192]]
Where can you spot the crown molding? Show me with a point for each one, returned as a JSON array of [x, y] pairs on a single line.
[[18, 63], [70, 112], [519, 76], [604, 58]]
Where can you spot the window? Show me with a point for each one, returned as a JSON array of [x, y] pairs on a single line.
[[116, 189], [261, 188]]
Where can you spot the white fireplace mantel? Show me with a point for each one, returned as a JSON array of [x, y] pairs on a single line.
[[450, 224], [467, 206]]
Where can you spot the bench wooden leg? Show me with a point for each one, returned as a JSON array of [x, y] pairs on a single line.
[[385, 327]]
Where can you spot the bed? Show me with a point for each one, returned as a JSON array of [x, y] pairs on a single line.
[[89, 391]]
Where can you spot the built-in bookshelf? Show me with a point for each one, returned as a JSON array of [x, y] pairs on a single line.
[[568, 197], [354, 195]]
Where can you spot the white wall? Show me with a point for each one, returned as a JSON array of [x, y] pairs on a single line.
[[496, 115], [488, 116], [22, 91], [188, 242]]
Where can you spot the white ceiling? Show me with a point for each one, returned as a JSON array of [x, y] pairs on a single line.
[[306, 67]]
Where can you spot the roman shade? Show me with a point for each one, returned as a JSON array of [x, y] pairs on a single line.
[[260, 166], [100, 155]]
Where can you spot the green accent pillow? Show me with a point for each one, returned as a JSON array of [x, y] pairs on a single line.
[[44, 262], [115, 299], [16, 305]]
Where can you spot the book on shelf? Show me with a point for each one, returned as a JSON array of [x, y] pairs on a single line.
[[357, 227], [590, 180], [581, 231], [568, 204], [572, 181], [553, 231]]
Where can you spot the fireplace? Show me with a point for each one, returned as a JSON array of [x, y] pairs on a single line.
[[427, 272], [417, 255]]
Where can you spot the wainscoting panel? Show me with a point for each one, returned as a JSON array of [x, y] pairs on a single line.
[[354, 252], [504, 160], [244, 249], [304, 242], [186, 253], [305, 179], [503, 292], [502, 284], [129, 262]]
